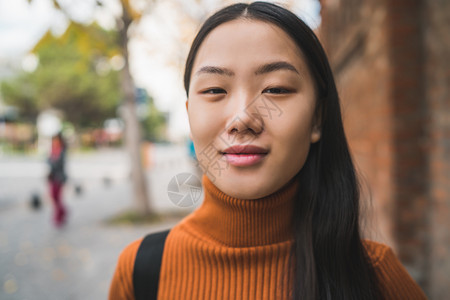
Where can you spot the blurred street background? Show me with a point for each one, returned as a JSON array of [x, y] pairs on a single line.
[[107, 74], [39, 261]]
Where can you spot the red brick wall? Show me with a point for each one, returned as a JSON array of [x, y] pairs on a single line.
[[437, 92], [391, 62], [410, 111]]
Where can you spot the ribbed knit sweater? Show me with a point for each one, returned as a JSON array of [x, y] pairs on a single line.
[[242, 249]]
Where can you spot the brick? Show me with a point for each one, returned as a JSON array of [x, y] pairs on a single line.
[[396, 100]]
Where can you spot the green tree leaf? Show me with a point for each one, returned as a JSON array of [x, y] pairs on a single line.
[[73, 75]]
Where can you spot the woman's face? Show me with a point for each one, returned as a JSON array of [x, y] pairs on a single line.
[[251, 87]]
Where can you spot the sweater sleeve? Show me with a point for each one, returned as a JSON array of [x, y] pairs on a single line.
[[121, 287], [395, 281]]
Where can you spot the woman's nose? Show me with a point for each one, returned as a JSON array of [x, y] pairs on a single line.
[[246, 120]]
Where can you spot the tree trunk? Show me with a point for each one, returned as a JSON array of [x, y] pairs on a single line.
[[132, 128]]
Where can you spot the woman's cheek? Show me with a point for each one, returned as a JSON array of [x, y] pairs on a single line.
[[203, 127]]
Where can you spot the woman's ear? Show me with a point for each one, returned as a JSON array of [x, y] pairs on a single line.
[[315, 133], [316, 129]]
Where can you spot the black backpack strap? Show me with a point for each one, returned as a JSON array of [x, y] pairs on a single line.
[[147, 266]]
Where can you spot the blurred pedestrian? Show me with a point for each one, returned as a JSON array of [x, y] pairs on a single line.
[[57, 177]]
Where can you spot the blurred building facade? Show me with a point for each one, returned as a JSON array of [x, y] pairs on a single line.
[[391, 60]]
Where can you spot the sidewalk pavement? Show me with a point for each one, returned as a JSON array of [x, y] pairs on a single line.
[[39, 261]]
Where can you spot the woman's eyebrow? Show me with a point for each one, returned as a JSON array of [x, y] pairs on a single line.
[[276, 66], [214, 70]]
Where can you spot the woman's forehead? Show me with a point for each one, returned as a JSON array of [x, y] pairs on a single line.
[[244, 41]]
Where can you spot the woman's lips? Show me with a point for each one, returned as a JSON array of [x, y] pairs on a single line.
[[244, 155], [244, 159]]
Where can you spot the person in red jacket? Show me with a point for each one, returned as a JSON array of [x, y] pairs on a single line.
[[280, 217], [57, 177]]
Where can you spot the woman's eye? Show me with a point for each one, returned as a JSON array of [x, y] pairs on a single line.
[[214, 91], [276, 90]]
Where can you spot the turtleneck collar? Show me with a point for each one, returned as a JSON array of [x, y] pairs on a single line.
[[245, 222]]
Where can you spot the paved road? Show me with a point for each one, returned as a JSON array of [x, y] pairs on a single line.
[[38, 261]]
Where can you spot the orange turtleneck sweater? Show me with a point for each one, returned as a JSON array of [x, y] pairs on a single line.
[[241, 249]]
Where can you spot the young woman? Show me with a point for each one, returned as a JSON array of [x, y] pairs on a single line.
[[280, 215]]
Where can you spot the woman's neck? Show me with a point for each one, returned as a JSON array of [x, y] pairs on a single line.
[[245, 223]]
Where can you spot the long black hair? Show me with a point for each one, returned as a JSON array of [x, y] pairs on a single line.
[[331, 260]]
